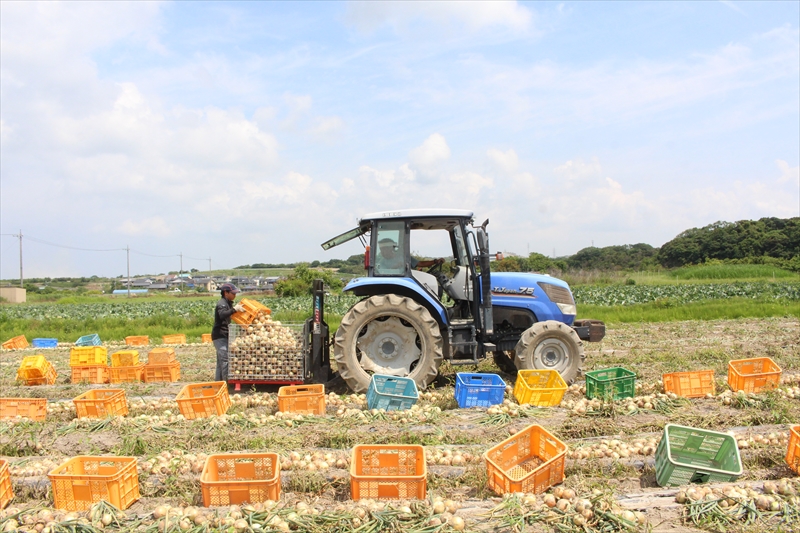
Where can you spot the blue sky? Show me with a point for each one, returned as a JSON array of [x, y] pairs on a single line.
[[252, 132]]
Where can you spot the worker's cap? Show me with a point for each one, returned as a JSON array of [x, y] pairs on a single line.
[[387, 241], [229, 287]]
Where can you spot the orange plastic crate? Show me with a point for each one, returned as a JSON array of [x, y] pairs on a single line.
[[530, 461], [31, 408], [125, 358], [252, 309], [175, 338], [137, 340], [6, 491], [694, 384], [793, 452], [388, 472], [16, 343], [304, 399], [201, 400], [97, 374], [125, 374], [100, 403], [161, 356], [753, 375], [542, 388], [36, 370], [205, 337], [88, 356], [235, 478], [155, 373], [83, 481]]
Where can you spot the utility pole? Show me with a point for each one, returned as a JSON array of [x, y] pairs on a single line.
[[181, 272], [128, 249], [20, 259], [209, 267]]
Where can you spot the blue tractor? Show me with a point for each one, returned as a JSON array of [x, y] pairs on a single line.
[[416, 313]]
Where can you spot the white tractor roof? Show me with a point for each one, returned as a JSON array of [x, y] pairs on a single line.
[[419, 213]]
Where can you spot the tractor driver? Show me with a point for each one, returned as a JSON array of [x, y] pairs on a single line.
[[389, 258]]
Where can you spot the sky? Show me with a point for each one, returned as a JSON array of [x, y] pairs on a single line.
[[252, 132]]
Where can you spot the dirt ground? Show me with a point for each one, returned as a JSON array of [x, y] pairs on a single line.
[[628, 480]]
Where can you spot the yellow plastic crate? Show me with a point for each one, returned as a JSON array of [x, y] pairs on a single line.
[[122, 374], [161, 356], [137, 340], [205, 337], [693, 384], [32, 366], [542, 388], [83, 481], [88, 356], [6, 490], [100, 403], [252, 309], [529, 461], [125, 358], [753, 375], [32, 408]]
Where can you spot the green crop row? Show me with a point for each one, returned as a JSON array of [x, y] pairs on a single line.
[[685, 293]]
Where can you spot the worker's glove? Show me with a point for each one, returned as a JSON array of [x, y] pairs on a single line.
[[239, 308]]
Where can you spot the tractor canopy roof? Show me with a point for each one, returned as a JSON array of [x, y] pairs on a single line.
[[420, 219]]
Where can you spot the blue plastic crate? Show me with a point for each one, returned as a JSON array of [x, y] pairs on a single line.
[[391, 393], [45, 343], [479, 390], [89, 340]]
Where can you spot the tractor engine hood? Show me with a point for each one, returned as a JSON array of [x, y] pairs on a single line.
[[517, 287]]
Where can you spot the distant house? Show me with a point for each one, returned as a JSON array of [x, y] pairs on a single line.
[[141, 283], [269, 282], [205, 283], [158, 287]]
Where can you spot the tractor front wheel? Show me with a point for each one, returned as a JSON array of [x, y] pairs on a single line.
[[551, 345], [390, 335]]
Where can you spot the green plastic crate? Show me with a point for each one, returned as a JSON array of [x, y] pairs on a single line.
[[615, 383], [690, 455]]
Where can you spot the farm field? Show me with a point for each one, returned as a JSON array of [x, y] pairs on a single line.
[[610, 461]]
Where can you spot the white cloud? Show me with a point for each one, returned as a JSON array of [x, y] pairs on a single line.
[[472, 15], [788, 174], [431, 152], [327, 126], [578, 170], [507, 161], [153, 226]]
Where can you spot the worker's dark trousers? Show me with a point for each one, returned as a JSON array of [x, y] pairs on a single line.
[[222, 359]]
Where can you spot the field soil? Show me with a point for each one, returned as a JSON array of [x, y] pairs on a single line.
[[316, 450]]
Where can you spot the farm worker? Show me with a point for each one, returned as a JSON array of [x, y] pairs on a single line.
[[390, 259], [219, 333]]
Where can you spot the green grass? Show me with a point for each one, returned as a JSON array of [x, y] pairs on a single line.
[[731, 272], [667, 311]]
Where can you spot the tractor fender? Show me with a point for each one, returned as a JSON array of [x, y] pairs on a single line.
[[400, 286]]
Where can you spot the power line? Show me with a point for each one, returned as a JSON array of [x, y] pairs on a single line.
[[40, 241], [151, 255]]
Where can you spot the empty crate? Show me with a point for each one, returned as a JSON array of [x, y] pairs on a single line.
[[236, 478], [388, 472], [479, 390], [695, 384], [100, 403], [88, 356], [126, 374], [162, 373], [753, 375], [6, 491], [16, 343], [175, 338], [793, 452], [201, 400], [205, 337], [542, 388], [610, 383], [304, 399], [530, 461], [161, 356], [97, 374], [125, 358], [689, 455], [391, 393], [137, 340], [36, 370], [45, 343], [30, 408], [93, 339], [83, 481]]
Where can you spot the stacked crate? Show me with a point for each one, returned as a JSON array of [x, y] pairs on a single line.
[[162, 365], [36, 370], [125, 366], [89, 363]]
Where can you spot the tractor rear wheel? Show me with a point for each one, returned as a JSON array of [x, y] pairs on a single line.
[[551, 345], [390, 335]]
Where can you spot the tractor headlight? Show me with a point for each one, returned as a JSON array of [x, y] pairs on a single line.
[[568, 309]]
